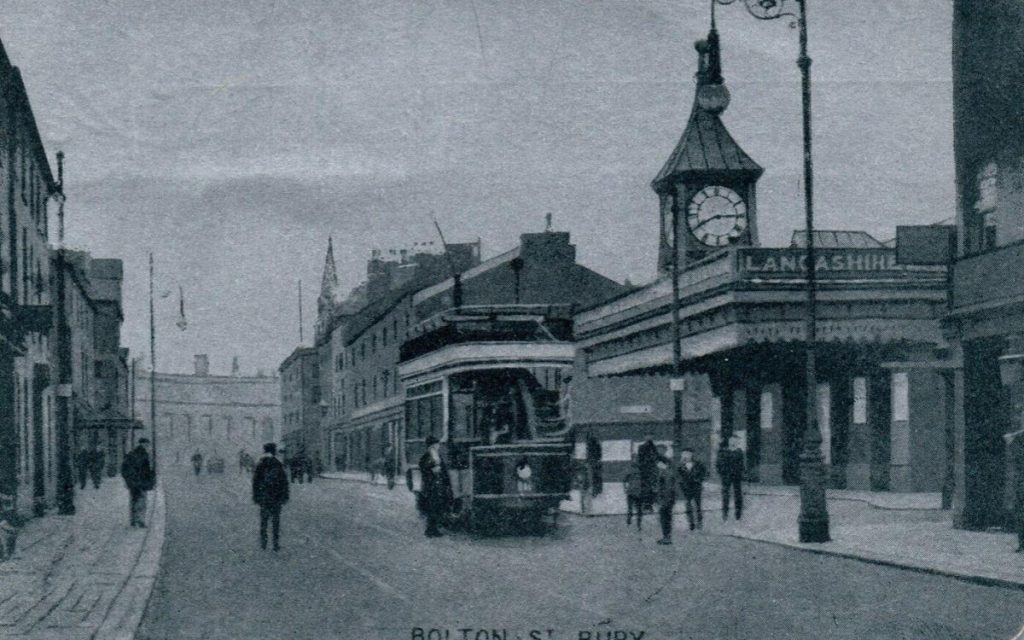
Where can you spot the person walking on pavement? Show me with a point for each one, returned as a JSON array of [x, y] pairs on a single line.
[[96, 463], [139, 477], [308, 468], [83, 460], [434, 473], [634, 503], [1015, 456], [647, 459], [297, 468], [270, 492], [389, 466], [197, 462], [666, 487], [730, 469], [691, 482]]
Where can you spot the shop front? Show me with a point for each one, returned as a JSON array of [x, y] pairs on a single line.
[[882, 391]]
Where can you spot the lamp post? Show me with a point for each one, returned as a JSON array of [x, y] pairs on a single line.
[[152, 362], [813, 520], [62, 348]]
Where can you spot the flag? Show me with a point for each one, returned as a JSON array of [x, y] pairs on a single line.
[[182, 322]]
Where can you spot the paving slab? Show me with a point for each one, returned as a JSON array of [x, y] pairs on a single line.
[[89, 575]]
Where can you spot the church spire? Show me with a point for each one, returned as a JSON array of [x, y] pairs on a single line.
[[329, 283]]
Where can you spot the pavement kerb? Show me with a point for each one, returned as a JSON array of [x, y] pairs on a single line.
[[126, 610], [966, 577], [946, 573], [750, 490]]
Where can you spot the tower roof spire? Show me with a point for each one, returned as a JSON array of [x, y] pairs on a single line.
[[329, 283], [706, 145]]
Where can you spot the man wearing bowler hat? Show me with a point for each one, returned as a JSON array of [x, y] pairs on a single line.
[[139, 477], [270, 492]]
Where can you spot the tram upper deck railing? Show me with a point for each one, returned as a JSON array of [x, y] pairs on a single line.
[[489, 323]]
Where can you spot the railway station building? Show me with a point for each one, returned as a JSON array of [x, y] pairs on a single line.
[[884, 389]]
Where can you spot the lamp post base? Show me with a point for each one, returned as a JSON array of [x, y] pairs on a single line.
[[814, 530], [813, 521]]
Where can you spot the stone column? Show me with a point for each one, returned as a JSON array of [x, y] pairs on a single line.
[[918, 422], [770, 417], [841, 390], [959, 431], [899, 434]]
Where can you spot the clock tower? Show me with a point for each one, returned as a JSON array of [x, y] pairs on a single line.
[[708, 180]]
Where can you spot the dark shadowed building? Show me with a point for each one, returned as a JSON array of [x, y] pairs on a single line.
[[987, 319]]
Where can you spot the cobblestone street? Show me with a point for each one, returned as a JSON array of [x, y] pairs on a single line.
[[355, 564]]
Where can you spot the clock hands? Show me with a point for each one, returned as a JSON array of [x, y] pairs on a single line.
[[716, 217]]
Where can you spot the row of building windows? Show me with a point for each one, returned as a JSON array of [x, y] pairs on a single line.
[[180, 425], [383, 385], [387, 335]]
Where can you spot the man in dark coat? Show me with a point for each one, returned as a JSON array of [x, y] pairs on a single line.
[[197, 462], [139, 477], [83, 460], [270, 492], [647, 460], [691, 482], [96, 463], [434, 473], [730, 469], [667, 484]]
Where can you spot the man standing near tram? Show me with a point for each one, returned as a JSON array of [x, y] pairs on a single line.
[[434, 473]]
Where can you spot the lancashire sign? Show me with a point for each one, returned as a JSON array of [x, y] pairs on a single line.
[[828, 263]]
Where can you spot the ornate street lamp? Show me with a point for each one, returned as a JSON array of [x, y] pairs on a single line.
[[813, 519]]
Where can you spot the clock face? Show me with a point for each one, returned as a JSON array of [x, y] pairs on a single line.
[[716, 216]]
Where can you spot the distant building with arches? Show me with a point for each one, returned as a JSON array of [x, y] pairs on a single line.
[[216, 415]]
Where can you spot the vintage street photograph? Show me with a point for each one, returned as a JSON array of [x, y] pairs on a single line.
[[512, 319]]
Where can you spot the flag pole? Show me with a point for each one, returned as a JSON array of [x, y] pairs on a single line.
[[300, 313], [152, 362]]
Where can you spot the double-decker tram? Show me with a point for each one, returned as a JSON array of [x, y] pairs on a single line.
[[489, 383]]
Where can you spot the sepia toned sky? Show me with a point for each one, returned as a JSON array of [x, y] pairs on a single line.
[[230, 138]]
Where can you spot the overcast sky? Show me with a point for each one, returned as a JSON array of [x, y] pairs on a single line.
[[230, 138]]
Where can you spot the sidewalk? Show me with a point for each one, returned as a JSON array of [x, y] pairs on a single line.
[[83, 576], [361, 476], [906, 530], [912, 537]]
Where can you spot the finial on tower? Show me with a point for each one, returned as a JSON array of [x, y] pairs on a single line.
[[712, 96]]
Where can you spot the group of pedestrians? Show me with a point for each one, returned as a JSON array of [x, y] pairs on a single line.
[[302, 468], [654, 480], [89, 463]]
